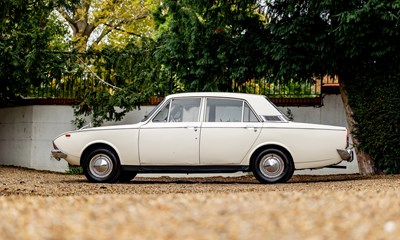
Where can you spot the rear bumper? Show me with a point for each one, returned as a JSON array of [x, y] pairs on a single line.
[[346, 154], [57, 154]]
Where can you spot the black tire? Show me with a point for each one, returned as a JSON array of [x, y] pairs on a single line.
[[272, 166], [101, 166], [126, 176]]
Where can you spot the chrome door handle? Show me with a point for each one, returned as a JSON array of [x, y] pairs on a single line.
[[192, 127], [251, 127]]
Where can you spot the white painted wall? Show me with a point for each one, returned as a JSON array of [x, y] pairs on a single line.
[[26, 132]]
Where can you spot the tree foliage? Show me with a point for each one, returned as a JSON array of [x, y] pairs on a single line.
[[26, 33], [207, 44], [131, 78], [341, 37], [375, 98], [98, 23], [370, 35], [112, 46]]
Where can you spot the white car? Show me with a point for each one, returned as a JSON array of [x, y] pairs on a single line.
[[205, 133]]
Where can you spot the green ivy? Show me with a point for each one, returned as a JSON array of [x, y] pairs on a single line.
[[375, 99]]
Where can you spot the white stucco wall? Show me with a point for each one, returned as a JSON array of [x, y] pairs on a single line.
[[26, 132]]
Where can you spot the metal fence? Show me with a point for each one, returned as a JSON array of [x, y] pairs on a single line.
[[274, 89], [66, 87], [74, 85], [70, 86]]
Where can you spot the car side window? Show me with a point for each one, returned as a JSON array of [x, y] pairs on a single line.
[[162, 116], [223, 110], [248, 114], [180, 110], [229, 110]]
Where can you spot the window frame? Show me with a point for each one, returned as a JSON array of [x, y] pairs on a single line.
[[243, 102], [170, 102]]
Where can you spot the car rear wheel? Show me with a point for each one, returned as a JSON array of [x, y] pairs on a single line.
[[272, 166], [101, 166]]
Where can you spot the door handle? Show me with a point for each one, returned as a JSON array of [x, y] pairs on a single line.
[[251, 127], [192, 127]]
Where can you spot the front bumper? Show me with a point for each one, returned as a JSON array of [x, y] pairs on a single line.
[[346, 154], [57, 154]]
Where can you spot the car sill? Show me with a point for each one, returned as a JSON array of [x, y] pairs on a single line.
[[187, 169]]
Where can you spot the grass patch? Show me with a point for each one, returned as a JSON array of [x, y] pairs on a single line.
[[74, 170]]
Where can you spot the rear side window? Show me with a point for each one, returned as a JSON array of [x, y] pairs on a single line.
[[229, 110], [248, 114]]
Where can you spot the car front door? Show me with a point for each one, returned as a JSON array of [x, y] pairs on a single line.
[[172, 136], [229, 130]]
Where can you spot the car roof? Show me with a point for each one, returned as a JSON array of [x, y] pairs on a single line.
[[216, 94], [259, 103]]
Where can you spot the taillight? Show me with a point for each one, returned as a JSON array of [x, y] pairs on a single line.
[[347, 137], [68, 134]]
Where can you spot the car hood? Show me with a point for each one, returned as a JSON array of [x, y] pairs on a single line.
[[105, 128]]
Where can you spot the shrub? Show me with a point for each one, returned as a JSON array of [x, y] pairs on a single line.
[[375, 99]]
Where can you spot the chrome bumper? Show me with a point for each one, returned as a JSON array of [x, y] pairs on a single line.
[[57, 154], [346, 154]]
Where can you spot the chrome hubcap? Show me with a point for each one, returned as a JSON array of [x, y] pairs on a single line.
[[101, 165], [272, 165]]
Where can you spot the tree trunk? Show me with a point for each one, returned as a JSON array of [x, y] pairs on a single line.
[[365, 162]]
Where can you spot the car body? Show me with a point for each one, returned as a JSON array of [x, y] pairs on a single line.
[[205, 133]]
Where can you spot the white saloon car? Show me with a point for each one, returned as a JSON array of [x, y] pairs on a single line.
[[205, 133]]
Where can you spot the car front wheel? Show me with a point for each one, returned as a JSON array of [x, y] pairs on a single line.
[[272, 166], [101, 166]]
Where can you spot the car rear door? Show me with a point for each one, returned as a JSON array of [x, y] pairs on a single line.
[[229, 130]]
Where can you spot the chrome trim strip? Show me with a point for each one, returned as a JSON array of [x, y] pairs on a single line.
[[96, 129], [303, 128]]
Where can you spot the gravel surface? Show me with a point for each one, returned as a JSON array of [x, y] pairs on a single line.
[[47, 205]]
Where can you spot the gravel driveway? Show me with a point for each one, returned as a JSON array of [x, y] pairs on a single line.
[[46, 205]]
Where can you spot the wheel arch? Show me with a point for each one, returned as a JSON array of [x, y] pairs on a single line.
[[269, 146], [98, 145]]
